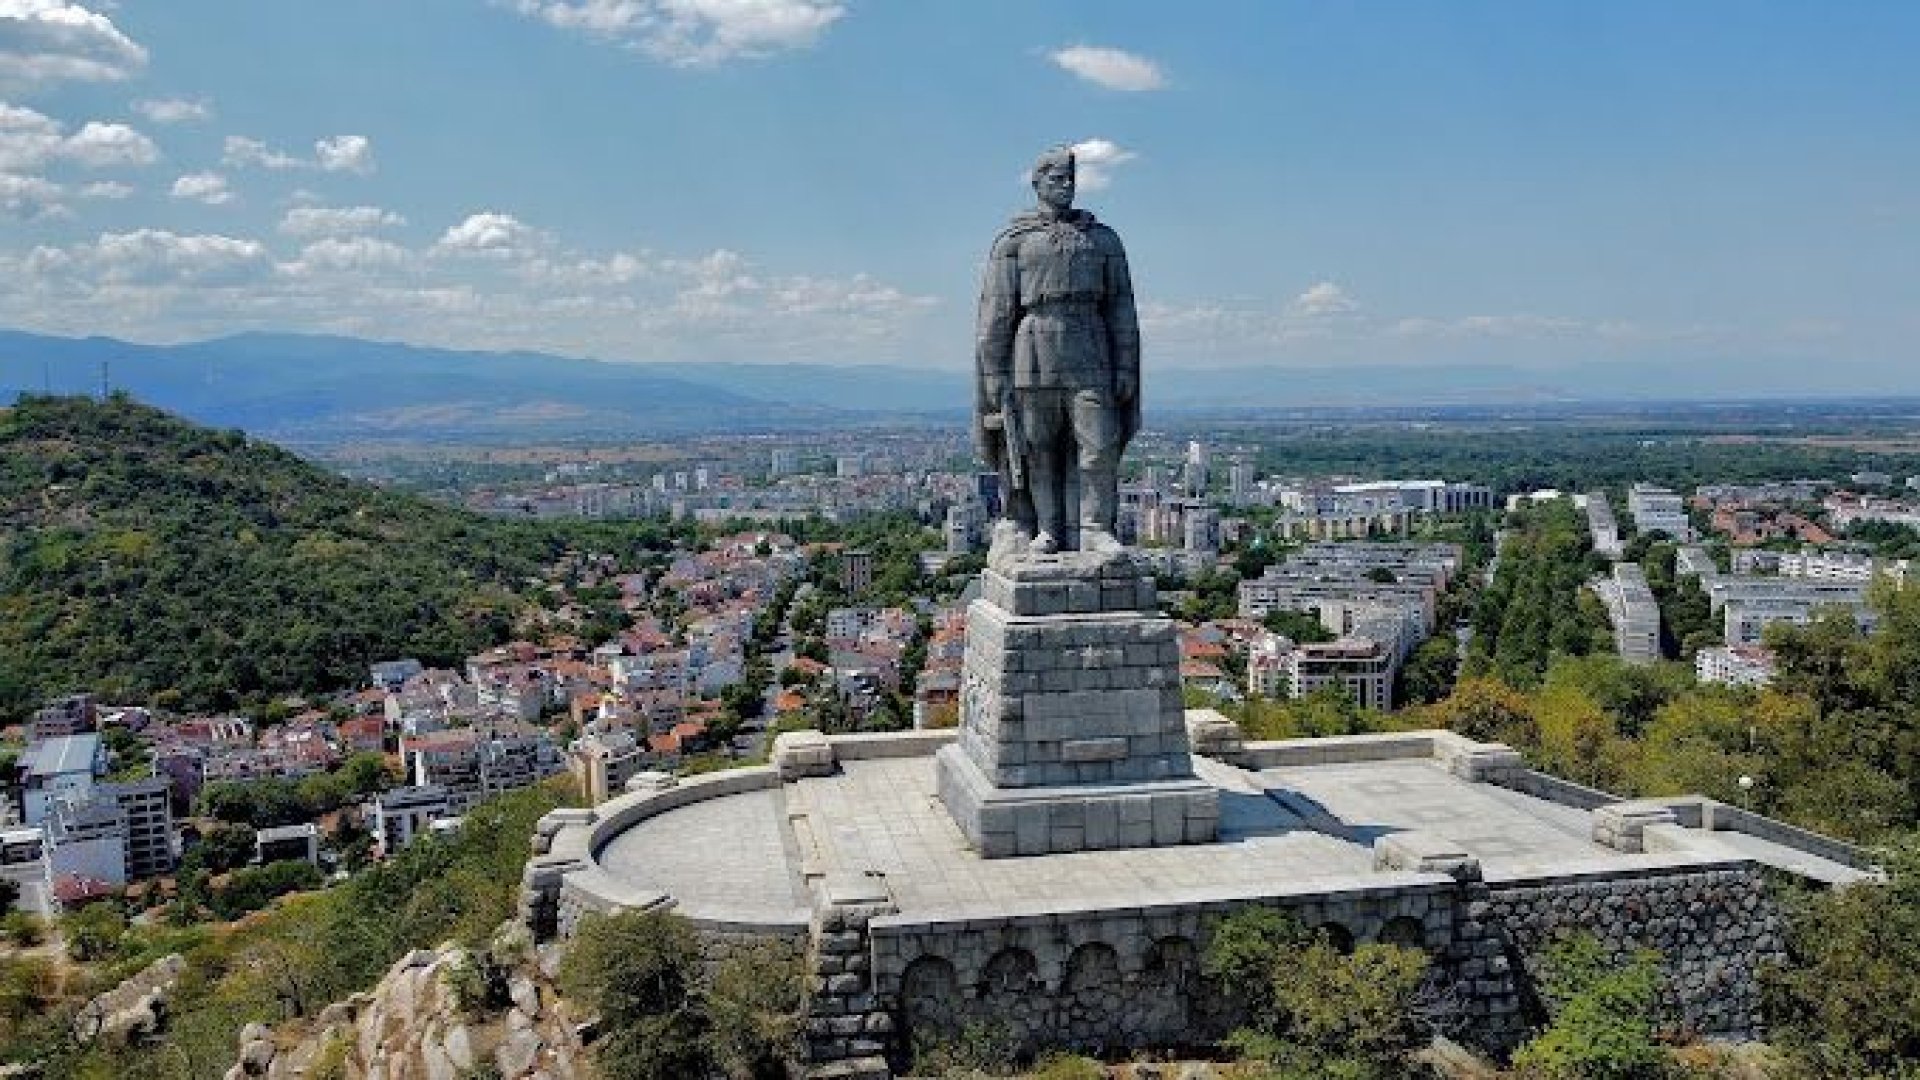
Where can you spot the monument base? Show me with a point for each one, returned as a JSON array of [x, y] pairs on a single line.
[[1003, 821]]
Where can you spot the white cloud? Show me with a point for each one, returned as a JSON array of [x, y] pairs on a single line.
[[106, 189], [341, 153], [173, 110], [620, 268], [526, 291], [1112, 69], [345, 153], [154, 256], [241, 152], [206, 187], [44, 41], [487, 234], [694, 33], [1094, 161], [99, 145], [337, 220], [29, 196], [348, 253], [29, 139], [1321, 300]]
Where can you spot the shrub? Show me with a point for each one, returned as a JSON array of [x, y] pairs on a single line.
[[1602, 1010], [1311, 1010], [23, 929], [754, 1007], [638, 970]]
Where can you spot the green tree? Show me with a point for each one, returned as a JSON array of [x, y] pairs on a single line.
[[1848, 1002], [638, 970], [1428, 674], [224, 846]]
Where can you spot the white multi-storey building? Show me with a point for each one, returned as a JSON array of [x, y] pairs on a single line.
[[1735, 665], [402, 814], [1634, 612], [1363, 667], [1658, 509], [1604, 527]]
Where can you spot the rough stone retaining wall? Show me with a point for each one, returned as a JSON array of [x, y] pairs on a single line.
[[1714, 928], [1110, 980]]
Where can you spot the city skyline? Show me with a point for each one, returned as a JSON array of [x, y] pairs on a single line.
[[803, 180]]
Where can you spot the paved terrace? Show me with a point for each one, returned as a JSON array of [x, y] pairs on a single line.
[[746, 857]]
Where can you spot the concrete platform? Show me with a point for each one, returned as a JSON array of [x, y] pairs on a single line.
[[1282, 830]]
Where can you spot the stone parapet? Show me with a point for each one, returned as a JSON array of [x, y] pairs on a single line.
[[1211, 734], [802, 753], [1622, 825]]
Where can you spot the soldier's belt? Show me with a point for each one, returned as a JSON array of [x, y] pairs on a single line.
[[1064, 307]]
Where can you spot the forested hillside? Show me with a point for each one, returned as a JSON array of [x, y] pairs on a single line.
[[148, 558]]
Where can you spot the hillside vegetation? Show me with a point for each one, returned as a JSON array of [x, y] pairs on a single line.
[[148, 558]]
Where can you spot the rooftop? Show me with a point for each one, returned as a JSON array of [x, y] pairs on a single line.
[[61, 754]]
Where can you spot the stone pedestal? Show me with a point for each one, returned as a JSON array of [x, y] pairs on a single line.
[[1072, 734]]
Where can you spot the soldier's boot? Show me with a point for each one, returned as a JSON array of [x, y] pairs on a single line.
[[1099, 498], [1046, 484], [1010, 538]]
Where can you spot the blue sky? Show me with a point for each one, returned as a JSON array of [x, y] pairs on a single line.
[[1299, 184]]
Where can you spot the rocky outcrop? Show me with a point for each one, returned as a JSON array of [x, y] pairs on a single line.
[[135, 1010], [431, 1019]]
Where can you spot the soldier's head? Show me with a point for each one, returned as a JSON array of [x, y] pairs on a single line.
[[1053, 178]]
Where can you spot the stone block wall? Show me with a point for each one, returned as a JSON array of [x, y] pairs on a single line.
[[1109, 980], [1714, 928], [1081, 700]]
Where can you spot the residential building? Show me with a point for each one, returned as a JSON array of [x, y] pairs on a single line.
[[146, 809], [1735, 665], [1240, 478], [1604, 527], [1828, 565], [74, 714], [1634, 612], [401, 814], [288, 842], [603, 761], [1658, 509], [393, 674], [1278, 667], [1202, 530], [21, 845], [1746, 618], [62, 767], [86, 845], [856, 572]]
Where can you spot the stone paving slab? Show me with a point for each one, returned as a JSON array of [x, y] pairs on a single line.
[[884, 816], [1509, 832], [730, 859]]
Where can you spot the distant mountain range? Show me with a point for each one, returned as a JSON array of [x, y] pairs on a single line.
[[314, 387]]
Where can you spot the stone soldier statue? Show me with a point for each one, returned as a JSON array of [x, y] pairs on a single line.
[[1057, 388]]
